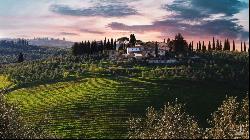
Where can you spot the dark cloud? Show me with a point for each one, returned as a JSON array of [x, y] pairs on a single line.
[[67, 33], [228, 7], [228, 28], [160, 26], [91, 31], [200, 11], [184, 9], [111, 10], [219, 27]]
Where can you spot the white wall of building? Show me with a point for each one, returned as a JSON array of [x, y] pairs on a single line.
[[133, 50]]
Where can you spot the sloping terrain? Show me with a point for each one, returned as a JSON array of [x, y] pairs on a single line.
[[100, 107]]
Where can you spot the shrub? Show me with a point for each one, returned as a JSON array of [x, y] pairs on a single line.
[[230, 121], [169, 123], [12, 125]]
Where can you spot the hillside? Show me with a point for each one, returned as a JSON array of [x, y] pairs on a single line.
[[9, 51], [100, 107], [86, 98], [131, 69]]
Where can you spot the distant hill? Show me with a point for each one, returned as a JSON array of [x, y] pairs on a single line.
[[9, 50], [46, 42], [51, 43]]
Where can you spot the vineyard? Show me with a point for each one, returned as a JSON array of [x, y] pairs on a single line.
[[93, 97], [100, 107]]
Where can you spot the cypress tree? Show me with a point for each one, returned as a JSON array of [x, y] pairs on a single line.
[[233, 45], [228, 45], [192, 45], [132, 40], [220, 45], [115, 45], [81, 48], [88, 48], [241, 49], [213, 44], [225, 45], [101, 47], [75, 49], [197, 47], [217, 45], [156, 49], [209, 46], [108, 45], [20, 58], [245, 47], [203, 47], [112, 44], [105, 42]]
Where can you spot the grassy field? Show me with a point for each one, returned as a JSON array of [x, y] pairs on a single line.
[[98, 107]]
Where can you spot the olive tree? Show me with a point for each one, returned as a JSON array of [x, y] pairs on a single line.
[[171, 122], [230, 121], [13, 126]]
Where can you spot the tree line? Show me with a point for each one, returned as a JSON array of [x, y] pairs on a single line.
[[94, 47], [99, 47], [179, 45], [217, 45]]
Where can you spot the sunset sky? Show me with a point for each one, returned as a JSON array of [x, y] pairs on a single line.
[[78, 20]]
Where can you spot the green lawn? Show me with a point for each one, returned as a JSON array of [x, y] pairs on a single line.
[[99, 107]]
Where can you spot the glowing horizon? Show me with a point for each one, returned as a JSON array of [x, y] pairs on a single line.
[[149, 20]]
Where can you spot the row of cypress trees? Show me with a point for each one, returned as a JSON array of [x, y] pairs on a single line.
[[94, 47], [217, 45]]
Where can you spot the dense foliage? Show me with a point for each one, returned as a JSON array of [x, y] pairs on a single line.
[[213, 66], [169, 123], [93, 48], [50, 70], [230, 121], [216, 66]]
